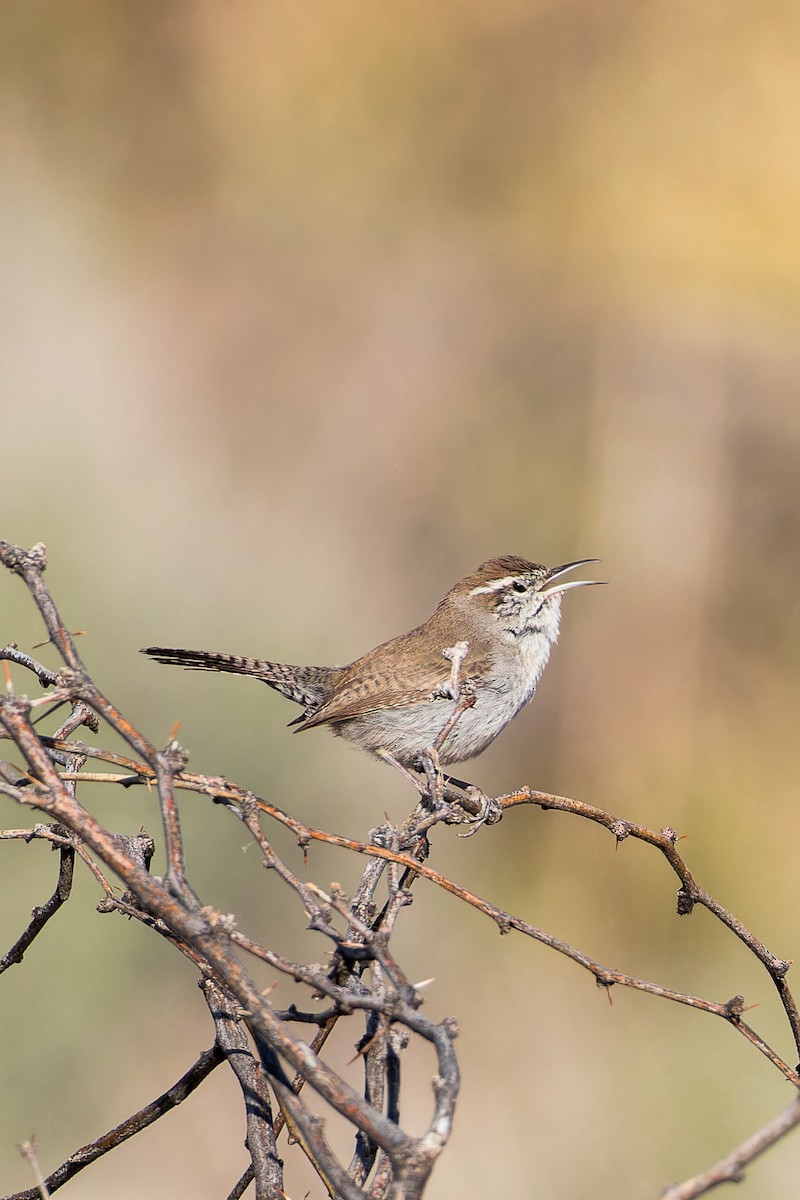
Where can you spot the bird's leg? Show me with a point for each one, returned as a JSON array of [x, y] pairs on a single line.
[[413, 779], [432, 768], [431, 790]]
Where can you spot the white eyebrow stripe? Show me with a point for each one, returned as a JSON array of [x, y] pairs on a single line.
[[497, 585]]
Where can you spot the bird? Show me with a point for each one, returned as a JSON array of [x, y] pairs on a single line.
[[448, 686]]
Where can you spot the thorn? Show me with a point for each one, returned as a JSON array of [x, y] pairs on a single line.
[[49, 641], [30, 1152], [365, 1049], [606, 985]]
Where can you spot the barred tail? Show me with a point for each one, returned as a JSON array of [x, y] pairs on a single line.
[[207, 660], [309, 686]]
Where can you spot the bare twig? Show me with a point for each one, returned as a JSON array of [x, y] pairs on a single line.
[[731, 1168], [170, 1099], [46, 677], [30, 1152], [42, 913], [690, 891], [267, 1166]]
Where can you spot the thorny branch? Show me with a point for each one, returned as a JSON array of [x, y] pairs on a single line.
[[731, 1010], [258, 1041], [172, 909]]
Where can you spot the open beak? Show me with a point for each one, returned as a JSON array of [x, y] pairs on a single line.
[[557, 572]]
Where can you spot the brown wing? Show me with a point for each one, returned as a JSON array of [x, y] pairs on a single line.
[[397, 674]]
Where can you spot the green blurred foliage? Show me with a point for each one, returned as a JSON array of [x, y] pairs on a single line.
[[307, 309]]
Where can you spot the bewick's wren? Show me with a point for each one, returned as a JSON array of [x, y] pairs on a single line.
[[471, 666]]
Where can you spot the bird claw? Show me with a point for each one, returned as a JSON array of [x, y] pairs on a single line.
[[490, 810], [437, 795]]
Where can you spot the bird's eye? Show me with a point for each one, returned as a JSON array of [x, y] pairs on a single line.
[[518, 587]]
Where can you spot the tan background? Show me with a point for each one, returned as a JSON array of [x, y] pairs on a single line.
[[308, 308]]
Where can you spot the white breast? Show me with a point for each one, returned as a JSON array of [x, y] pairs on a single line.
[[499, 695]]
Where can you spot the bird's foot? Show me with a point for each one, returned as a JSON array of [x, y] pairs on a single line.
[[446, 798], [490, 811], [471, 805]]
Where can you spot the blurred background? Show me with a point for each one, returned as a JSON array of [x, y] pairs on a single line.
[[308, 309]]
